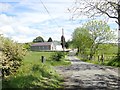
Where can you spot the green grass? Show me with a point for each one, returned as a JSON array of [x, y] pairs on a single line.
[[110, 52], [34, 74], [109, 60], [36, 57]]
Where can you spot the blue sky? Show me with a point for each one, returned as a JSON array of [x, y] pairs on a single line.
[[23, 20]]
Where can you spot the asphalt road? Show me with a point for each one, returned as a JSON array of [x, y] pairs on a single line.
[[86, 76]]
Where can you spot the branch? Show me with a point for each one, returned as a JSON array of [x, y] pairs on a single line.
[[106, 13]]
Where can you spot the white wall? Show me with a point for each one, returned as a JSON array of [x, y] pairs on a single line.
[[59, 47], [53, 47]]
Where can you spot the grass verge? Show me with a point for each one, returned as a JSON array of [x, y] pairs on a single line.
[[34, 74]]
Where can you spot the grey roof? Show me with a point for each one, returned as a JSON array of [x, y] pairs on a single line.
[[42, 44]]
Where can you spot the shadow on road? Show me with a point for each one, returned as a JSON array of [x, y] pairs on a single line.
[[84, 76]]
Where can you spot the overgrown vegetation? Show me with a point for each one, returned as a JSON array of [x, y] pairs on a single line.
[[11, 57], [93, 43], [35, 74], [109, 53], [58, 58]]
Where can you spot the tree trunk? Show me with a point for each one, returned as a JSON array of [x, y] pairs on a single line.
[[91, 55], [78, 50], [118, 29], [98, 58]]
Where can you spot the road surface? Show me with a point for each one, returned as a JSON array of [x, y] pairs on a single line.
[[86, 76]]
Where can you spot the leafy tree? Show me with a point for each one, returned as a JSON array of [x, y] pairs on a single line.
[[81, 39], [26, 46], [63, 42], [90, 36], [50, 39], [68, 44], [38, 39], [11, 57], [97, 8], [100, 33]]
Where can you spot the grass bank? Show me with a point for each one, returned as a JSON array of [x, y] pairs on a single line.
[[109, 60], [34, 74]]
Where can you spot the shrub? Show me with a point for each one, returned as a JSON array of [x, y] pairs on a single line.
[[11, 57], [58, 56], [114, 62], [35, 76]]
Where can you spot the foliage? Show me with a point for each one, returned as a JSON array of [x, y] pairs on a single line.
[[63, 41], [50, 39], [90, 38], [81, 39], [100, 33], [98, 8], [26, 46], [110, 59], [68, 44], [12, 55], [38, 39], [35, 75], [57, 56], [114, 62]]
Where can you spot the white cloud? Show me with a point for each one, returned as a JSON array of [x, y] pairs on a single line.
[[4, 7], [6, 20], [7, 29], [30, 20], [22, 38], [19, 28]]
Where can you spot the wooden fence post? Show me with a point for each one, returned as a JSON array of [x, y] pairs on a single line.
[[98, 58], [102, 58], [43, 59]]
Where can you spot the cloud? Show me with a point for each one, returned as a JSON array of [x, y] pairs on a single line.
[[4, 7], [22, 38], [6, 20], [24, 20], [7, 29]]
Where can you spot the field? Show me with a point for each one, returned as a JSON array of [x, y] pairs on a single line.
[[109, 51], [34, 74]]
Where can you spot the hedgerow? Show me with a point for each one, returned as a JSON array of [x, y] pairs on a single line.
[[11, 55]]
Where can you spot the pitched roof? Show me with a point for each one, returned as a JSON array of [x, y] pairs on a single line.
[[42, 44]]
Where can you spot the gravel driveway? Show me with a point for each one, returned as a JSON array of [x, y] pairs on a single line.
[[86, 76]]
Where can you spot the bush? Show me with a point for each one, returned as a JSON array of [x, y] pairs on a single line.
[[114, 62], [35, 76], [11, 57], [58, 56]]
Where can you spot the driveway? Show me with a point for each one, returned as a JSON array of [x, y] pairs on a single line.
[[83, 76]]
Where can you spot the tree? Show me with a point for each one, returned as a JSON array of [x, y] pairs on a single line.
[[67, 44], [100, 33], [27, 46], [81, 39], [90, 36], [38, 39], [96, 8], [63, 42], [50, 39]]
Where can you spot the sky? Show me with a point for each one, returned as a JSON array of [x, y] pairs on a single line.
[[24, 20]]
